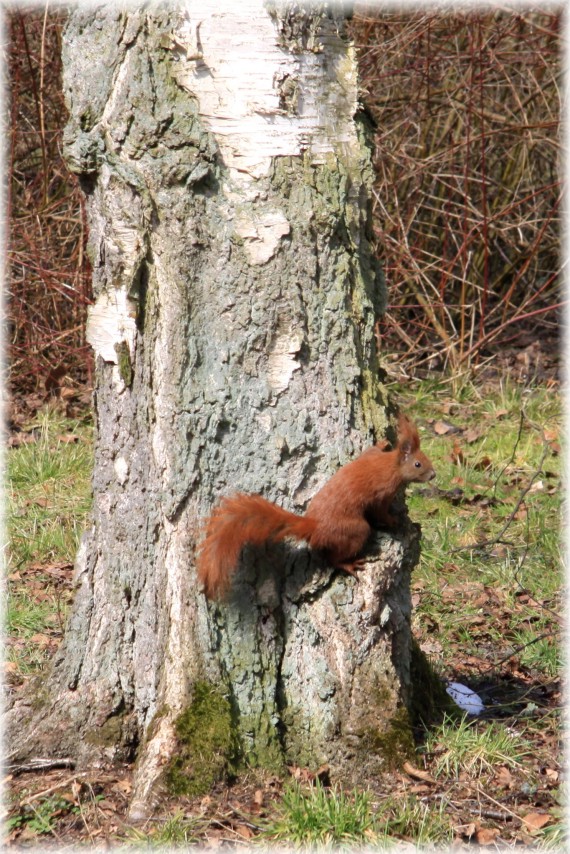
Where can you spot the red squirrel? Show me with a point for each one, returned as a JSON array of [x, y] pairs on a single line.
[[338, 521]]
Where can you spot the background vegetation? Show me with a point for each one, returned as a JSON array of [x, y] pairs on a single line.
[[468, 189], [466, 213], [49, 285]]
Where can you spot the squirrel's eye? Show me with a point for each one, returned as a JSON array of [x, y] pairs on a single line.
[[417, 464]]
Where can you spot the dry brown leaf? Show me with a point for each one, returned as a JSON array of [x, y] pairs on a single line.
[[457, 456], [483, 464], [125, 787], [244, 831], [551, 434], [27, 835], [67, 393], [505, 778], [536, 820], [58, 568], [499, 550], [466, 830], [419, 789], [41, 639], [449, 567], [431, 647], [302, 775], [417, 773], [551, 774], [472, 661], [41, 502], [442, 428], [17, 439], [486, 835]]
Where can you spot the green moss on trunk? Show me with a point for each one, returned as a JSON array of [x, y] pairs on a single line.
[[208, 749], [108, 734], [395, 744]]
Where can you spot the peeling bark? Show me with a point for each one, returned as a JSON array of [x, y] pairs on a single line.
[[236, 295]]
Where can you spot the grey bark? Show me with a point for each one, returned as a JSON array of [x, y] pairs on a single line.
[[261, 377]]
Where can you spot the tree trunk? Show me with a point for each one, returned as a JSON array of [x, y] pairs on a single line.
[[227, 176]]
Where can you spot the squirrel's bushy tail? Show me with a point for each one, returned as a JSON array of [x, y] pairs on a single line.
[[236, 521]]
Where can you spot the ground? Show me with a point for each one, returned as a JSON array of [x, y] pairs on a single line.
[[487, 613]]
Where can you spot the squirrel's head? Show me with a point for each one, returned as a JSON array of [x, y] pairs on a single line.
[[414, 464]]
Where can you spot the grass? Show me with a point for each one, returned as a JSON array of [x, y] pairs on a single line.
[[177, 831], [482, 474], [538, 653], [410, 818], [48, 490], [318, 816], [48, 498], [335, 819], [466, 747]]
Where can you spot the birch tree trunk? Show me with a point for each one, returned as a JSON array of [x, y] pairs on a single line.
[[227, 179]]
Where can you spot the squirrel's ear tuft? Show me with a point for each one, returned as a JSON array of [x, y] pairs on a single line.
[[407, 432]]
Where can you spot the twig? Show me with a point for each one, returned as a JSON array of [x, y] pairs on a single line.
[[41, 765], [520, 648], [42, 128], [494, 814], [61, 785], [485, 543], [497, 804], [512, 457]]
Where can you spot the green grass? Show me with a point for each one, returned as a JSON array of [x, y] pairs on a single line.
[[553, 837], [475, 748], [25, 616], [410, 818], [538, 653], [334, 819], [324, 818], [48, 497], [491, 471], [48, 491], [320, 817], [176, 831]]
